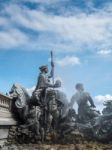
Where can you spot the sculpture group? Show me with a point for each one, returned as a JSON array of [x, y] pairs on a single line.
[[47, 110]]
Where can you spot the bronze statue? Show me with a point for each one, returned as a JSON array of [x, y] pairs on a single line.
[[82, 98]]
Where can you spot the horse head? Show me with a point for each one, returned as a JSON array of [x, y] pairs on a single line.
[[20, 95]]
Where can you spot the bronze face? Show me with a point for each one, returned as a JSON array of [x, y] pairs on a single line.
[[46, 70]]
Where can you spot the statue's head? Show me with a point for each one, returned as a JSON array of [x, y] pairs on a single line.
[[44, 68], [79, 87], [58, 83], [20, 94], [15, 90]]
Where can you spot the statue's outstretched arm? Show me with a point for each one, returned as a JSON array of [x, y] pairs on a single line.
[[91, 101], [47, 84]]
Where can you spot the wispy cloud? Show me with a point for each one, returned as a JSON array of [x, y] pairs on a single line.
[[44, 1], [3, 21], [63, 32], [12, 38], [68, 61], [104, 52]]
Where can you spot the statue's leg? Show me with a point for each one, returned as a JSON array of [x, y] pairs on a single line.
[[49, 121], [25, 112], [55, 119], [37, 126], [42, 132]]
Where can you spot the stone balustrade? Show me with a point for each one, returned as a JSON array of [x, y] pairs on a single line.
[[6, 116], [5, 102]]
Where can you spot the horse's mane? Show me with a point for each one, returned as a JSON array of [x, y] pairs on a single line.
[[21, 90]]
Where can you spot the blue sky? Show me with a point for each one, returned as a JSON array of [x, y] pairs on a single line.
[[78, 31]]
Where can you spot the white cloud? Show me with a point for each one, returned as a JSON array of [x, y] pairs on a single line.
[[12, 38], [63, 32], [3, 21], [102, 98], [83, 27], [30, 90], [104, 52], [68, 61]]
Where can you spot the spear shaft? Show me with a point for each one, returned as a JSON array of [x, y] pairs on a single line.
[[52, 65]]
